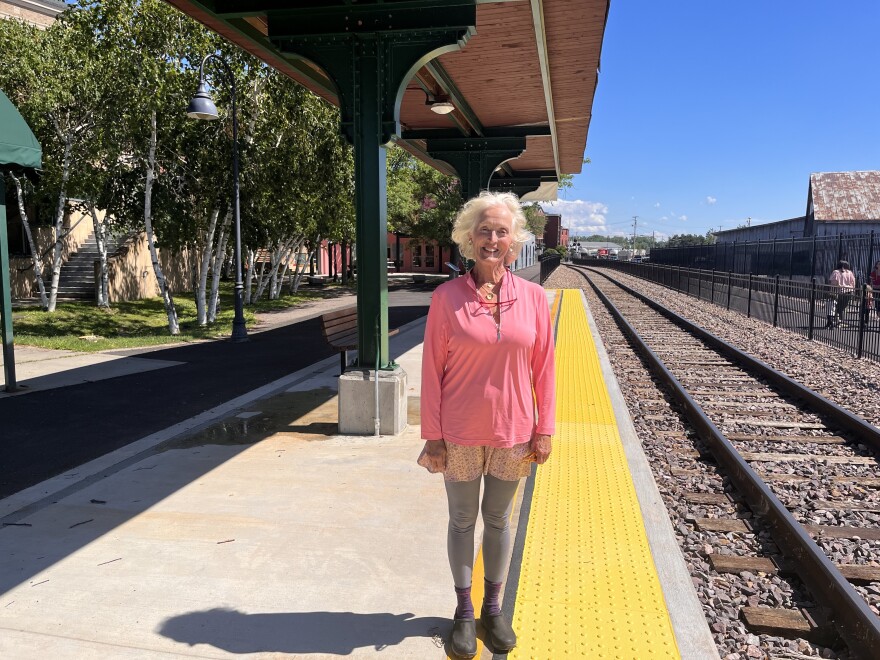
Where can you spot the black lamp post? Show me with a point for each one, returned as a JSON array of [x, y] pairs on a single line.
[[202, 107]]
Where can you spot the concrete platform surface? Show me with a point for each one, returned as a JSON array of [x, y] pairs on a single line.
[[263, 534]]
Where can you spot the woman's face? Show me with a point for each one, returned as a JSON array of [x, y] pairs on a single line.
[[492, 236]]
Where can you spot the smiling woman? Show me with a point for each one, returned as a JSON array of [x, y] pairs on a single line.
[[488, 346]]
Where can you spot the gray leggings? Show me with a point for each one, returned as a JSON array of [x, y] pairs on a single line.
[[464, 504]]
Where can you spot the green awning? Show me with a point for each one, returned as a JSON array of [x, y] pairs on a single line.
[[19, 148]]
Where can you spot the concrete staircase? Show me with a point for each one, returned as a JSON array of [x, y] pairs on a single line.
[[77, 280]]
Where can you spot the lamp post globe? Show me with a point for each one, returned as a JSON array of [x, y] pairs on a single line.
[[202, 107]]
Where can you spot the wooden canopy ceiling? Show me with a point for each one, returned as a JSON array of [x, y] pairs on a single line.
[[531, 68]]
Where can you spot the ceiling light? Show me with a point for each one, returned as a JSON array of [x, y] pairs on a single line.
[[442, 107], [438, 103]]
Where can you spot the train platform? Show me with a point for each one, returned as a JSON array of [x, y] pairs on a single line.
[[255, 529]]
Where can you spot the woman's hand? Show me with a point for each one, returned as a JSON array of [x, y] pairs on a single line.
[[541, 446], [434, 456]]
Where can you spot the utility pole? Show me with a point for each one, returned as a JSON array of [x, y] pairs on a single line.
[[749, 221], [635, 224]]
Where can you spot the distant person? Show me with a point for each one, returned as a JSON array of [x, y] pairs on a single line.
[[488, 403], [843, 283], [874, 281]]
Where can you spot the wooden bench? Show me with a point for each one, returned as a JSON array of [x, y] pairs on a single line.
[[341, 332]]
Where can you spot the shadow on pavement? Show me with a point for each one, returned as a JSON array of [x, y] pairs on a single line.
[[38, 536], [49, 432], [336, 633]]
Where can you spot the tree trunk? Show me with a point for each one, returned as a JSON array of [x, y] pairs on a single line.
[[58, 251], [201, 287], [250, 277], [101, 240], [167, 299], [344, 262], [263, 277], [217, 266], [280, 266], [36, 258], [300, 270]]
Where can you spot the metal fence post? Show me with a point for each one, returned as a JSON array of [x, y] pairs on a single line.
[[749, 304], [678, 283], [812, 306], [791, 259], [839, 247], [712, 299], [863, 318], [776, 301], [813, 259], [729, 287]]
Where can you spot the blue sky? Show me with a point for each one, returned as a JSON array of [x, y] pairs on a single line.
[[709, 112]]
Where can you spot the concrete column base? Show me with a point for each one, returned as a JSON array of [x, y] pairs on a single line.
[[357, 402]]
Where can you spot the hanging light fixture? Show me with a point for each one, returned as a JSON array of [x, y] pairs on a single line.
[[438, 103]]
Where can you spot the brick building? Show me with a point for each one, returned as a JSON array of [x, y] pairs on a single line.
[[41, 13]]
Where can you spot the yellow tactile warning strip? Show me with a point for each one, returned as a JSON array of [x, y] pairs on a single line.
[[587, 586]]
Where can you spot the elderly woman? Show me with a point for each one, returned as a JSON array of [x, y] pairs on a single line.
[[487, 402]]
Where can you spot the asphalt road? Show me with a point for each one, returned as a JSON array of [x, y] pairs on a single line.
[[46, 433]]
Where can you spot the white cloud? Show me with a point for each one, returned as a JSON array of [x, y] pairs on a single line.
[[582, 217], [664, 218], [656, 205], [683, 218], [711, 200]]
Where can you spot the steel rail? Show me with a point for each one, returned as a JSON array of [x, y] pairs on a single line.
[[855, 621], [838, 415]]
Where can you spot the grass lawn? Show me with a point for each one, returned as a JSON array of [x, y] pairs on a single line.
[[81, 326]]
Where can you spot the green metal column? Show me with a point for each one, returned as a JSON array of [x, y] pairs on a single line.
[[371, 208], [6, 296], [370, 51]]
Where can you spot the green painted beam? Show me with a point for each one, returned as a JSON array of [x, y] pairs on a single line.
[[242, 8], [327, 22], [494, 132], [475, 158]]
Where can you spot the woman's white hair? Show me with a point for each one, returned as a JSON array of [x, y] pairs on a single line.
[[472, 212]]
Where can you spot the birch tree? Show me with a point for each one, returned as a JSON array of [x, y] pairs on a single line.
[[36, 257], [60, 83]]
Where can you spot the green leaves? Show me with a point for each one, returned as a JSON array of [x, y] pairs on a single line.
[[422, 202]]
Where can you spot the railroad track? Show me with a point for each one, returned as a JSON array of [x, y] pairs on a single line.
[[771, 436]]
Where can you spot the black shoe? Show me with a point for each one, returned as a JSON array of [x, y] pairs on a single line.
[[463, 640], [499, 633]]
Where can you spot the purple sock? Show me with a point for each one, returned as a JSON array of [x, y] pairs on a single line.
[[465, 609], [491, 604]]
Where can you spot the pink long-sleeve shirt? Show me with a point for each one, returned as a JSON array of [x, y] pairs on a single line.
[[477, 383]]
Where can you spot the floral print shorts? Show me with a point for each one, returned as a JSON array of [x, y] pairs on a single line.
[[466, 463]]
